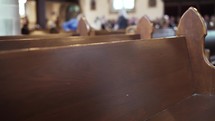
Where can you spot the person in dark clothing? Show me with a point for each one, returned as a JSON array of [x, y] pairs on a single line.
[[25, 29], [122, 22]]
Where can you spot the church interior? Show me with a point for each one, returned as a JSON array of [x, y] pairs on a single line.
[[107, 60]]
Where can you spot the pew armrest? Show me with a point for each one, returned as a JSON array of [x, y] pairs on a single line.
[[203, 70]]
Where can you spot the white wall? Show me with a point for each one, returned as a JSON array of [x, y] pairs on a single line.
[[102, 9], [9, 17], [31, 13]]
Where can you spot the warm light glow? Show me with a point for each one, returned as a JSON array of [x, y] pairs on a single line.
[[123, 4], [129, 4], [22, 7], [117, 4]]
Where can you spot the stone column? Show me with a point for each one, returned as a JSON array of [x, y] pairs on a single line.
[[9, 17]]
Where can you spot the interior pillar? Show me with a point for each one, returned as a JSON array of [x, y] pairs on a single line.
[[41, 13], [9, 17]]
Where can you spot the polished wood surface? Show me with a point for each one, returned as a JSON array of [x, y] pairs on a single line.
[[83, 28], [120, 81], [194, 108], [145, 28], [192, 26], [52, 42], [33, 37], [143, 80]]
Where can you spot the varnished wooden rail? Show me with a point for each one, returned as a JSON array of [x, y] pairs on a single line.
[[165, 79], [30, 37], [13, 45]]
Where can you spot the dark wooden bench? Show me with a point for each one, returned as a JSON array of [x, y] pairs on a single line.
[[38, 42], [160, 80], [13, 45], [29, 37], [90, 31]]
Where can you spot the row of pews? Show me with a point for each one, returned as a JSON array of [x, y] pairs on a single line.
[[14, 43], [152, 33], [109, 77]]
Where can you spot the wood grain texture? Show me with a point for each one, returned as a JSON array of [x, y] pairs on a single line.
[[55, 42], [145, 28], [192, 26], [194, 108], [33, 37], [120, 81]]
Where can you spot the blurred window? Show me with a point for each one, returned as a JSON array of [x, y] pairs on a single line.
[[128, 5], [22, 11]]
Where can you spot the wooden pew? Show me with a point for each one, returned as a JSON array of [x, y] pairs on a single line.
[[90, 31], [32, 43], [160, 80], [29, 37], [13, 45]]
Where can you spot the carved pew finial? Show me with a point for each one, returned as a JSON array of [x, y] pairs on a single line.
[[145, 28], [193, 27], [82, 27]]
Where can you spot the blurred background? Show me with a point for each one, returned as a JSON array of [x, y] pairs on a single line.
[[63, 15]]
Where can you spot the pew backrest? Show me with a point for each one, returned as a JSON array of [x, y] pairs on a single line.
[[122, 80], [31, 37], [144, 29], [13, 45]]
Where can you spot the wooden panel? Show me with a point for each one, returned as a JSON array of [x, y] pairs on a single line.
[[195, 108], [120, 81], [30, 37], [83, 29], [145, 28], [52, 42], [192, 26]]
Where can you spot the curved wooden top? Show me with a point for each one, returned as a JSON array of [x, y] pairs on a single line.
[[193, 27], [82, 27], [145, 28]]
